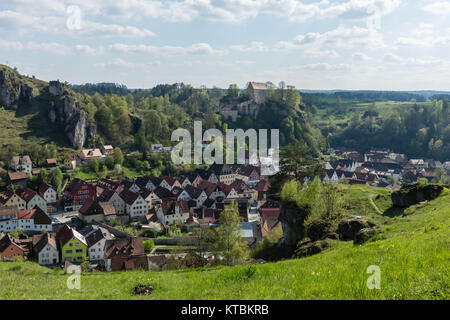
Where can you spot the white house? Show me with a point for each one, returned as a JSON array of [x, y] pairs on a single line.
[[115, 199], [45, 248], [172, 212], [96, 239], [32, 199], [49, 194], [135, 206], [35, 220], [22, 164]]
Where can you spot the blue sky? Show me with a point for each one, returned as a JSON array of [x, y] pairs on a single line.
[[345, 44]]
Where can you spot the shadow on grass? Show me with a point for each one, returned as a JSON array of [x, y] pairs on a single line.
[[393, 212]]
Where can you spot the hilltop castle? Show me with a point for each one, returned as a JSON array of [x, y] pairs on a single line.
[[234, 108]]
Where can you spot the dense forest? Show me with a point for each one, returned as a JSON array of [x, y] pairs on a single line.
[[416, 129]]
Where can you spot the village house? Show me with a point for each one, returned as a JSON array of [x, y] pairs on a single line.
[[114, 198], [224, 172], [128, 185], [47, 192], [45, 249], [193, 193], [248, 174], [50, 163], [71, 161], [33, 220], [76, 193], [172, 212], [91, 211], [135, 206], [107, 150], [12, 199], [96, 238], [32, 199], [73, 245], [21, 163], [10, 249], [89, 154], [125, 254], [18, 179]]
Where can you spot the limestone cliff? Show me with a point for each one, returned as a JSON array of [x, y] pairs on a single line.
[[67, 112], [54, 100]]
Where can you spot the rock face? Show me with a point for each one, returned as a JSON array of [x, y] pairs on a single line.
[[414, 194], [67, 112], [349, 227], [292, 221], [319, 230], [13, 91]]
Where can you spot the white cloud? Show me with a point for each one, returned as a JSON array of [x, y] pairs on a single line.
[[439, 8], [361, 57], [323, 66], [195, 49], [255, 46]]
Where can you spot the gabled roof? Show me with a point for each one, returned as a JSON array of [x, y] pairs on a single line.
[[207, 186], [72, 157], [26, 194], [36, 214], [163, 193], [94, 237], [247, 170], [50, 161], [43, 188], [15, 176], [193, 192], [20, 160], [40, 241], [258, 85], [177, 191], [106, 195], [74, 185], [168, 207], [132, 247], [8, 240], [108, 208], [91, 153], [6, 196], [129, 196], [90, 208], [142, 182], [67, 233]]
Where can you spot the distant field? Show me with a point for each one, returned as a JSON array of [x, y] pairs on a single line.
[[413, 257]]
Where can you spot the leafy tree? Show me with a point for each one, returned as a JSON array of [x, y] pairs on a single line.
[[229, 244]]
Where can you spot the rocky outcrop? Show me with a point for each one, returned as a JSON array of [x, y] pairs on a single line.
[[319, 230], [364, 235], [308, 248], [12, 90], [292, 220], [66, 111], [414, 194], [349, 227]]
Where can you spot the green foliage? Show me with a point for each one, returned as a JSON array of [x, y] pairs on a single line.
[[148, 245], [228, 243]]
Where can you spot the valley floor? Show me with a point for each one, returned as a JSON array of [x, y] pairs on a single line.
[[413, 257]]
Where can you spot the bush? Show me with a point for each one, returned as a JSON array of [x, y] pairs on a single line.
[[148, 245]]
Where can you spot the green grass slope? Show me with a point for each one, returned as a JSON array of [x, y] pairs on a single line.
[[413, 256]]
